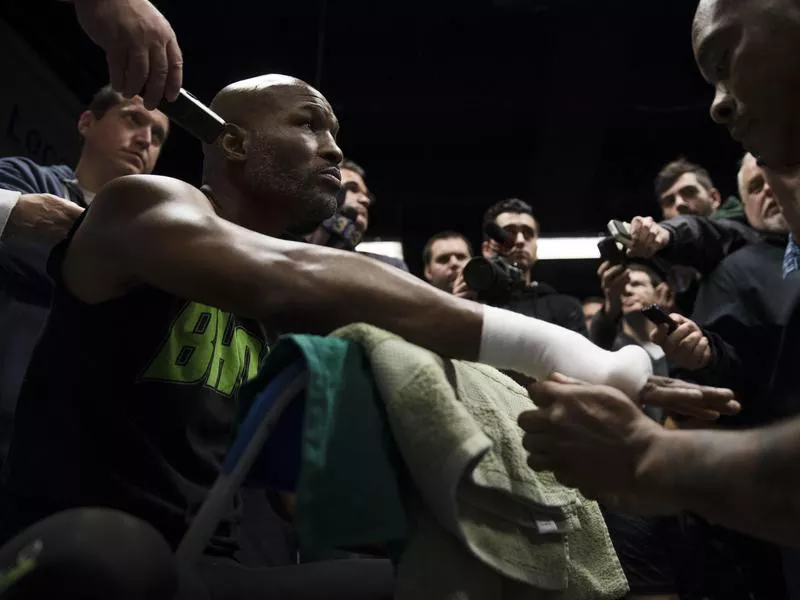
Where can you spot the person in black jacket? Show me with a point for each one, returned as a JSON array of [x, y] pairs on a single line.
[[742, 307], [535, 299]]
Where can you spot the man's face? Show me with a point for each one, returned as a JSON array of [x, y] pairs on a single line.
[[639, 293], [448, 257], [357, 198], [525, 232], [293, 159], [763, 212], [688, 196], [590, 309], [126, 140], [745, 48]]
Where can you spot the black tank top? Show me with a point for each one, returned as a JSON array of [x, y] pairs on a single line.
[[131, 404]]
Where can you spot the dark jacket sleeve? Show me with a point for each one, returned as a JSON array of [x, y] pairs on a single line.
[[571, 316], [22, 262], [703, 243], [743, 339], [22, 175], [603, 330]]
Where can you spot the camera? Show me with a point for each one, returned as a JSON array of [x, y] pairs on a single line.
[[495, 280]]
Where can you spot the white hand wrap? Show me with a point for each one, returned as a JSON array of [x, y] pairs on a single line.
[[539, 349]]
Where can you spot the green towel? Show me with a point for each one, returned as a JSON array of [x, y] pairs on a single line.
[[348, 492]]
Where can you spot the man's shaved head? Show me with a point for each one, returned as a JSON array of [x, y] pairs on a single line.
[[278, 150], [245, 101], [747, 50]]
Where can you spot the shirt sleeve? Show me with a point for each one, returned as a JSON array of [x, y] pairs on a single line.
[[8, 200]]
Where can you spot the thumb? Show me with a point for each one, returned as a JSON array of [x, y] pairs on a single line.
[[560, 378]]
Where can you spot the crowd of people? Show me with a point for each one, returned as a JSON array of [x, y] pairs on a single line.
[[134, 307]]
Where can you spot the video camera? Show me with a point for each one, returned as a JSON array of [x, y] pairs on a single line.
[[496, 280]]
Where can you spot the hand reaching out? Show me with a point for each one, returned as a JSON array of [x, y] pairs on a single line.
[[647, 237], [141, 48], [687, 346]]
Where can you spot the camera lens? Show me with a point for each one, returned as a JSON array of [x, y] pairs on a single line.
[[479, 274]]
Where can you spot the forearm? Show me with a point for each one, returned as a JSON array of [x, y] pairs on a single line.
[[743, 480], [330, 289], [702, 243]]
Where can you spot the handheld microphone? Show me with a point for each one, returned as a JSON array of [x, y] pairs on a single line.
[[195, 117], [498, 234]]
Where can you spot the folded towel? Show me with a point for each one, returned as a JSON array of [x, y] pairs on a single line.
[[489, 521]]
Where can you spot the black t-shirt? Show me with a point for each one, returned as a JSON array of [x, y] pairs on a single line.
[[129, 404]]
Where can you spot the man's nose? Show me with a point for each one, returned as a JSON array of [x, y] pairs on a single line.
[[723, 108], [143, 138], [329, 149], [519, 240], [681, 206]]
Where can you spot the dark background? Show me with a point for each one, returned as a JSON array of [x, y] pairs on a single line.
[[572, 105]]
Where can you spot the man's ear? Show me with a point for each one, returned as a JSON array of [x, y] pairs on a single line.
[[85, 121], [716, 197], [427, 273], [235, 143]]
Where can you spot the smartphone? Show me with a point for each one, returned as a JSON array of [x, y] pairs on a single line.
[[656, 315], [194, 116], [610, 251], [620, 231]]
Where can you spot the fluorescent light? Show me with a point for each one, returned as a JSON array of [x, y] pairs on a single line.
[[391, 249], [568, 248]]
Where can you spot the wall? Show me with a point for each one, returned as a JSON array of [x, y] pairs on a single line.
[[38, 113]]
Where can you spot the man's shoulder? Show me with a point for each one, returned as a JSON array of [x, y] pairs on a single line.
[[134, 193]]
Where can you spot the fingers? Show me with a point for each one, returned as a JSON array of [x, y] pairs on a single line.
[[156, 78], [689, 399], [135, 72], [175, 74], [117, 63]]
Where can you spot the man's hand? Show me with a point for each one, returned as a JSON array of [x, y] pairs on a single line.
[[687, 347], [141, 49], [647, 238], [613, 280], [593, 438], [462, 290], [42, 217], [690, 399]]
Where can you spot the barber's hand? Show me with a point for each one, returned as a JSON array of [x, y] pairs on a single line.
[[647, 237], [593, 438], [613, 280], [690, 399], [687, 347], [41, 217], [462, 290], [141, 48]]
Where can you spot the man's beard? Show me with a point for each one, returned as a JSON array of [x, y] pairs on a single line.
[[269, 180]]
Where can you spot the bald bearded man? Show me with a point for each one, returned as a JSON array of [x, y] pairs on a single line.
[[747, 49]]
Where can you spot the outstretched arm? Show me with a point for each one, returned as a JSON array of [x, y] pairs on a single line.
[[165, 233], [595, 439]]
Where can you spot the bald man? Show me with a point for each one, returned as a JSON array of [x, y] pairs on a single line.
[[746, 480]]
